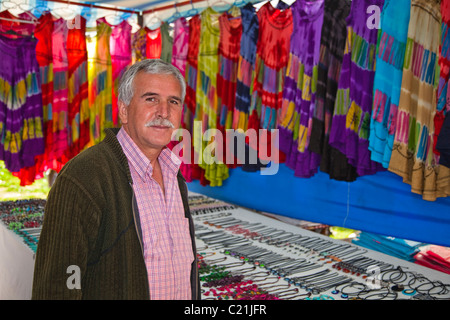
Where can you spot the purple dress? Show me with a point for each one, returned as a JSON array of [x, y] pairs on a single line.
[[332, 45], [21, 118], [351, 119], [300, 88]]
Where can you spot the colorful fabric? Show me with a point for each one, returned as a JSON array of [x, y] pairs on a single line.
[[412, 155], [166, 43], [139, 45], [192, 171], [165, 230], [191, 71], [78, 94], [100, 82], [206, 96], [179, 58], [180, 44], [19, 28], [443, 103], [332, 44], [60, 106], [230, 25], [272, 55], [299, 90], [390, 57], [43, 34], [351, 119], [229, 50], [21, 119], [121, 56], [154, 44], [246, 66]]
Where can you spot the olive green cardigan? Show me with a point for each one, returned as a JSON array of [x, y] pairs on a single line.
[[91, 223]]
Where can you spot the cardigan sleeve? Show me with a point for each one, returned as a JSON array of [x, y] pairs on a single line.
[[70, 227]]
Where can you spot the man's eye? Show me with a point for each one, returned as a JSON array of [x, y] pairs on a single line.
[[151, 99], [174, 102]]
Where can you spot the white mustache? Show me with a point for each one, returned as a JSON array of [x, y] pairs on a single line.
[[160, 122]]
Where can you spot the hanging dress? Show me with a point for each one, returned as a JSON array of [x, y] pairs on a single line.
[[206, 112], [21, 118], [43, 33], [412, 156], [230, 25], [78, 117], [139, 45], [121, 56], [180, 44], [443, 104], [246, 66], [60, 104], [179, 56], [19, 28], [229, 49], [350, 126], [166, 42], [191, 71], [299, 89], [332, 44], [100, 93], [390, 57], [272, 54], [154, 43]]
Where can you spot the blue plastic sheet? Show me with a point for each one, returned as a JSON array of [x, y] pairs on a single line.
[[380, 203]]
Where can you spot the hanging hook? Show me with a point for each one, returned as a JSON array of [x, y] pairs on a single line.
[[175, 16], [193, 11]]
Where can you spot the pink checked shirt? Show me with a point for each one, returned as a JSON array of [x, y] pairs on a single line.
[[165, 230]]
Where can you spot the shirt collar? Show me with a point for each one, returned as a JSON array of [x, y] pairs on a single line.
[[137, 159]]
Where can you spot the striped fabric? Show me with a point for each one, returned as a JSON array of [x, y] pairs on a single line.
[[165, 230]]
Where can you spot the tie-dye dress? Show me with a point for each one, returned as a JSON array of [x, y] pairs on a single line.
[[43, 33], [272, 54], [388, 78], [100, 82], [78, 94], [332, 46], [246, 66], [21, 118], [121, 57], [206, 112], [229, 49], [412, 156], [300, 87], [180, 44], [351, 119]]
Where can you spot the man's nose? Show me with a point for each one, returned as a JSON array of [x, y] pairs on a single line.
[[163, 109]]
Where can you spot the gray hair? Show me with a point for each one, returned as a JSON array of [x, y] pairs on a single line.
[[151, 66]]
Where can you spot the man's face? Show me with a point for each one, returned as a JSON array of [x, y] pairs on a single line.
[[156, 98]]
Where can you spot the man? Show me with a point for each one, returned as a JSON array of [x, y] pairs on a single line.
[[117, 223]]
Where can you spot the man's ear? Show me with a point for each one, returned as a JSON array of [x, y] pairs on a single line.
[[123, 111]]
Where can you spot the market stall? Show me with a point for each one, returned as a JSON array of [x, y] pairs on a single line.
[[335, 112]]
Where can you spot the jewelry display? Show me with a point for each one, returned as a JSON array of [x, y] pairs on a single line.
[[281, 264]]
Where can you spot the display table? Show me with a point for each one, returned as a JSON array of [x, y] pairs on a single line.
[[246, 255]]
